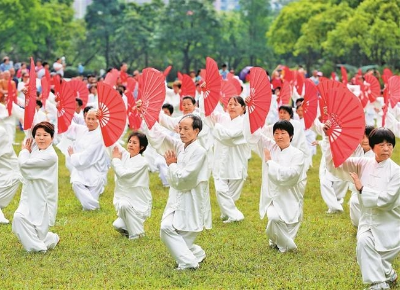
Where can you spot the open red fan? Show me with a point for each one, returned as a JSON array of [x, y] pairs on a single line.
[[285, 94], [260, 98], [66, 107], [310, 103], [227, 91], [112, 77], [345, 79], [387, 74], [30, 98], [203, 74], [167, 70], [235, 82], [347, 119], [45, 90], [80, 89], [123, 76], [134, 118], [213, 86], [11, 95], [372, 88], [56, 81], [152, 94], [300, 83], [394, 90], [188, 88], [112, 113], [325, 86], [288, 75], [179, 75], [131, 86]]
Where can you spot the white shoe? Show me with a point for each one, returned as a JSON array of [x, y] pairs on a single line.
[[379, 286], [3, 219], [392, 277], [229, 220], [186, 268]]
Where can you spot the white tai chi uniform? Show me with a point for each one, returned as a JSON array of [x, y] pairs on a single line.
[[392, 123], [37, 208], [231, 155], [282, 189], [10, 175], [378, 236], [89, 165], [188, 208], [132, 196]]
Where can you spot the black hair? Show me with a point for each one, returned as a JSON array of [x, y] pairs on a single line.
[[189, 98], [143, 142], [379, 135], [196, 124], [86, 109], [368, 130], [47, 126], [239, 99], [80, 102], [169, 107], [287, 109], [299, 100], [284, 125], [39, 103]]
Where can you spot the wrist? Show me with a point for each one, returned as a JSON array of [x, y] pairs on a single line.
[[361, 189]]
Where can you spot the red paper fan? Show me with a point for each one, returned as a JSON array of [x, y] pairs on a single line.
[[213, 86], [288, 75], [30, 98], [112, 77], [324, 87], [80, 89], [11, 95], [112, 113], [394, 90], [131, 86], [180, 76], [45, 90], [387, 74], [345, 79], [372, 88], [227, 91], [56, 80], [285, 94], [230, 76], [123, 76], [203, 74], [260, 98], [152, 94], [299, 83], [66, 107], [167, 70], [188, 88], [310, 103], [238, 87], [347, 119], [133, 114]]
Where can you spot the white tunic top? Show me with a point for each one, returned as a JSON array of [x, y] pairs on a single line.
[[132, 183], [9, 169], [189, 197], [40, 184]]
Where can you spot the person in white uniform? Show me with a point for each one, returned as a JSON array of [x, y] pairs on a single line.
[[231, 155], [188, 209], [283, 183], [378, 183], [10, 175], [132, 196], [88, 160], [37, 208]]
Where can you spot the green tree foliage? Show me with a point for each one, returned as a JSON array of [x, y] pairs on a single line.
[[188, 30]]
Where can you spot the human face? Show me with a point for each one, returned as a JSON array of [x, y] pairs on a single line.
[[133, 146], [365, 143], [42, 139], [166, 112], [284, 115], [91, 121], [383, 151], [282, 138], [300, 112], [235, 109], [186, 131], [187, 106]]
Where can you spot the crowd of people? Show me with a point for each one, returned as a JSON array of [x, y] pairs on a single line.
[[186, 147]]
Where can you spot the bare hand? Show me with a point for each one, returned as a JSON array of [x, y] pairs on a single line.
[[267, 155], [70, 151], [356, 180], [327, 126], [116, 153], [139, 106], [27, 145], [170, 157], [247, 100], [315, 143]]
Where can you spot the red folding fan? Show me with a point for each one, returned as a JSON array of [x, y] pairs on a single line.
[[227, 92], [112, 77], [213, 86], [387, 74], [325, 86], [372, 88], [11, 95], [394, 90], [260, 98], [66, 107], [30, 98], [152, 94], [167, 70], [80, 89], [56, 81], [310, 103], [285, 94], [300, 83], [112, 113], [45, 90], [346, 115], [345, 79]]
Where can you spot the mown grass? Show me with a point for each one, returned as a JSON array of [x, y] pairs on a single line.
[[91, 255]]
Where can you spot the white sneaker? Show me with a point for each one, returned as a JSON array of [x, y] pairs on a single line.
[[392, 277], [3, 219], [229, 220], [379, 286]]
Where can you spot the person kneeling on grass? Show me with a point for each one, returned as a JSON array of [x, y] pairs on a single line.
[[37, 208], [283, 183], [377, 181], [188, 208], [132, 196]]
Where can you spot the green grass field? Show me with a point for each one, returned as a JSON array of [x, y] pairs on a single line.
[[91, 255]]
